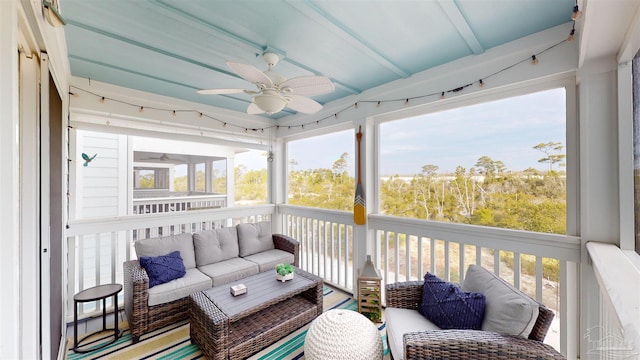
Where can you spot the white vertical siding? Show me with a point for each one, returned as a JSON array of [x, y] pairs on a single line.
[[101, 191], [100, 184]]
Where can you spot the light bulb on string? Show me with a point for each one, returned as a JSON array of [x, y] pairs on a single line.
[[572, 35], [576, 12], [534, 60]]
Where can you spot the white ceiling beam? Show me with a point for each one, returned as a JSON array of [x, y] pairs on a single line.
[[458, 20], [235, 39], [332, 24]]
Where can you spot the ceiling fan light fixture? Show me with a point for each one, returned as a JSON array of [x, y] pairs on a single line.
[[270, 102]]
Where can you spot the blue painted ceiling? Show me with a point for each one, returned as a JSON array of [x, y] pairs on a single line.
[[176, 47]]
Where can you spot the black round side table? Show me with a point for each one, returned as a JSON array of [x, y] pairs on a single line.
[[100, 292]]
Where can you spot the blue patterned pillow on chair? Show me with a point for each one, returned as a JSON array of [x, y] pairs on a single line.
[[162, 269], [449, 307]]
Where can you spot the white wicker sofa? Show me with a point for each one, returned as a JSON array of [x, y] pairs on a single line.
[[211, 258]]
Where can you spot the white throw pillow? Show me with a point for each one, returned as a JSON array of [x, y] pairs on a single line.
[[508, 311]]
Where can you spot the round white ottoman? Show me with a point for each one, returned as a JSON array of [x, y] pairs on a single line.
[[342, 334]]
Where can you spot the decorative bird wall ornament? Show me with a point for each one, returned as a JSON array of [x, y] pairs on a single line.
[[87, 159]]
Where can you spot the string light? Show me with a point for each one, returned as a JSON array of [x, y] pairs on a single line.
[[355, 105], [576, 12], [572, 33]]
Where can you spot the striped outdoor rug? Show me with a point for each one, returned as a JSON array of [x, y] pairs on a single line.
[[173, 342]]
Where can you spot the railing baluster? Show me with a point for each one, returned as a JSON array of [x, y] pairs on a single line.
[[433, 256], [333, 251], [420, 270], [447, 265], [516, 270], [461, 265], [114, 253], [396, 250], [407, 256], [325, 246], [385, 238], [539, 278]]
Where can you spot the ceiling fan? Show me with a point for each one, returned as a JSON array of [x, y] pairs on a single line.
[[274, 91]]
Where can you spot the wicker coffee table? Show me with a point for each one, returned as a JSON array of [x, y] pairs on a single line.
[[228, 327]]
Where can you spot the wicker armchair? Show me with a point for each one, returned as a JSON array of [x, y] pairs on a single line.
[[468, 344], [144, 318]]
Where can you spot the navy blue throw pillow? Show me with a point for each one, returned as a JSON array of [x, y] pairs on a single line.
[[162, 269], [449, 307]]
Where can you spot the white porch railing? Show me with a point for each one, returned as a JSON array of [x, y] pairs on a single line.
[[538, 264], [326, 242], [617, 336], [178, 203], [542, 265], [98, 247], [401, 248]]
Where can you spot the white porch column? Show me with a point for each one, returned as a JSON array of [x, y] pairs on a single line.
[[208, 176], [277, 172], [191, 177], [363, 239], [599, 216], [9, 182], [231, 181]]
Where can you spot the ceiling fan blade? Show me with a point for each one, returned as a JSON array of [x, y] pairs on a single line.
[[253, 109], [303, 105], [221, 91], [250, 73], [308, 85]]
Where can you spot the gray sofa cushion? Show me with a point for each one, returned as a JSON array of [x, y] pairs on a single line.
[[254, 238], [267, 260], [226, 271], [176, 289], [215, 245], [400, 322], [508, 311], [164, 245]]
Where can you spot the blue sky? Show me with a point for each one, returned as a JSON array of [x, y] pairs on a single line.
[[504, 130]]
